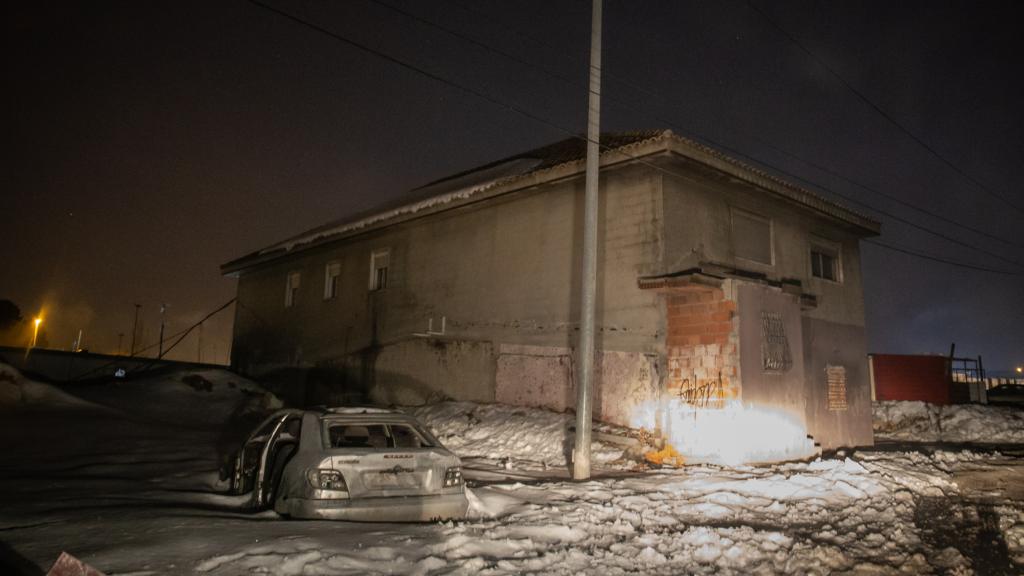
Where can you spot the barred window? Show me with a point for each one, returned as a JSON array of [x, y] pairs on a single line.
[[835, 376], [775, 356]]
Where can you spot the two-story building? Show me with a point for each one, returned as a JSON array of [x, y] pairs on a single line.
[[717, 283]]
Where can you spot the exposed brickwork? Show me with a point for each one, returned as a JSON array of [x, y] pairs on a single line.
[[702, 346]]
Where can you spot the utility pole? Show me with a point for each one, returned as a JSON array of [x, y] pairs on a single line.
[[135, 329], [199, 346], [584, 401], [120, 341], [160, 349]]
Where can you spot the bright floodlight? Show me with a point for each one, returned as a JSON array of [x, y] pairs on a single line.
[[35, 333]]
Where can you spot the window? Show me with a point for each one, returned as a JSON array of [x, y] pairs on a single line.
[[331, 274], [752, 237], [836, 378], [825, 263], [378, 436], [775, 356], [379, 261], [291, 288]]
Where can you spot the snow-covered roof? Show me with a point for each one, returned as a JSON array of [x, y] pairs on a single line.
[[510, 174]]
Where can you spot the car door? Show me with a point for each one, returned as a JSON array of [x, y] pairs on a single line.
[[249, 457], [281, 445]]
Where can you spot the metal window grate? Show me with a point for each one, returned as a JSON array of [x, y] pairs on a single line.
[[775, 356], [835, 376]]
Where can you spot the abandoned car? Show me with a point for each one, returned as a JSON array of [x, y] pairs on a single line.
[[364, 464]]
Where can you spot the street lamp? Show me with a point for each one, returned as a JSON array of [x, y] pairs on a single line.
[[35, 331]]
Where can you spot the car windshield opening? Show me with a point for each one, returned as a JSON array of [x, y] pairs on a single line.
[[377, 436]]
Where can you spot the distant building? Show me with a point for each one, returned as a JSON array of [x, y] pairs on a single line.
[[717, 282]]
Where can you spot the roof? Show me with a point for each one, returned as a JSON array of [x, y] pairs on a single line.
[[562, 159]]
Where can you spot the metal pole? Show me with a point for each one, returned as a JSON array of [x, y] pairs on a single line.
[[584, 405], [135, 329], [160, 348]]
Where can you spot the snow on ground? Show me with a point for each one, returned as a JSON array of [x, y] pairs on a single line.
[[133, 489], [501, 432], [19, 393], [970, 423], [848, 515]]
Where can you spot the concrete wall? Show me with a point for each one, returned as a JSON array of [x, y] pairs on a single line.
[[841, 349], [698, 216], [781, 389], [545, 377], [503, 271], [698, 227]]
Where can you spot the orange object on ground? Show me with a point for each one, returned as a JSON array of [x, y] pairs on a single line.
[[667, 456]]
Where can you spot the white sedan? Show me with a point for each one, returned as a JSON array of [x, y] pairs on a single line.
[[364, 464]]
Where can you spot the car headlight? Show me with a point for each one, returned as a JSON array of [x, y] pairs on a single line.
[[326, 479], [453, 476]]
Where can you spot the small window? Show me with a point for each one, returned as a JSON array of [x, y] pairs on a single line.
[[291, 289], [332, 272], [752, 237], [379, 262], [825, 263]]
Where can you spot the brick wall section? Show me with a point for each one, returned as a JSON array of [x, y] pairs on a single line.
[[702, 345]]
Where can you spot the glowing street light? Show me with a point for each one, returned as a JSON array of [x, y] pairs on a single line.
[[35, 331], [1020, 369]]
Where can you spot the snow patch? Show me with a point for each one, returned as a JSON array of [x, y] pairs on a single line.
[[502, 432], [20, 393], [968, 423]]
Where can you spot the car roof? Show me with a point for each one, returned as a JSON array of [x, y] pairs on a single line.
[[361, 414], [360, 410]]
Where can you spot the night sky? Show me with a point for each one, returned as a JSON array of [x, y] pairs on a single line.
[[151, 142]]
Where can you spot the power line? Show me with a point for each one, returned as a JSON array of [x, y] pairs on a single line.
[[410, 67], [860, 95], [904, 203], [180, 335], [539, 119], [940, 259], [193, 327], [633, 85], [848, 198]]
